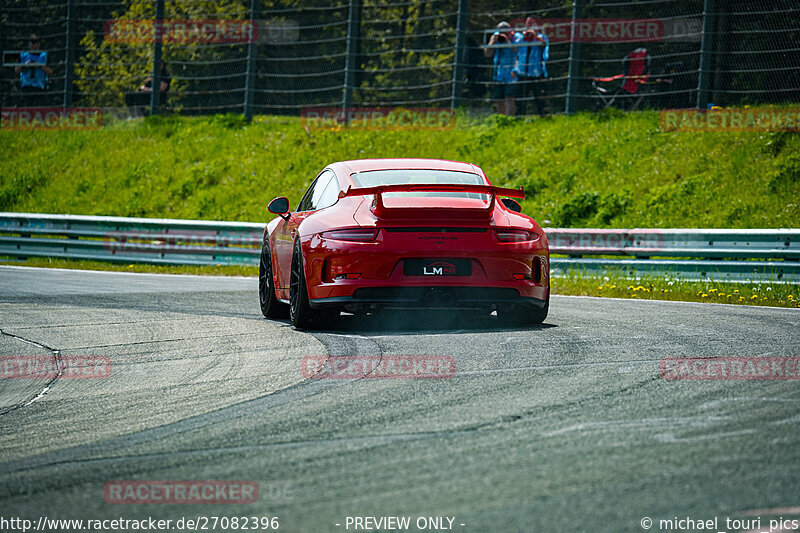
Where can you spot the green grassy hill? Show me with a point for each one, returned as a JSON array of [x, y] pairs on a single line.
[[605, 170]]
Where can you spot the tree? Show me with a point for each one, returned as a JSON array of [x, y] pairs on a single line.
[[202, 73]]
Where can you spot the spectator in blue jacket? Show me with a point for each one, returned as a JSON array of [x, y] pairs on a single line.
[[33, 72], [531, 66], [501, 46]]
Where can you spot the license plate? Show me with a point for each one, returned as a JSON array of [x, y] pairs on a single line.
[[437, 267]]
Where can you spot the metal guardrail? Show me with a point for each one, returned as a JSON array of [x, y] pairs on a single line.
[[130, 240], [752, 255], [689, 254], [695, 243]]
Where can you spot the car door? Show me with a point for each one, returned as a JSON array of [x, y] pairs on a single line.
[[286, 231]]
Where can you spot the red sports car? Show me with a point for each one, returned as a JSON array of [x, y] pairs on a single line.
[[403, 233]]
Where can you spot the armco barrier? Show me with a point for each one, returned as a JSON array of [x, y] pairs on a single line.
[[755, 255], [130, 240]]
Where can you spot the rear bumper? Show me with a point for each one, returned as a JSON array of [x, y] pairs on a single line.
[[500, 272], [434, 296]]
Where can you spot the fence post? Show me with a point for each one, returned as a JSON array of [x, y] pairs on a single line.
[[155, 94], [720, 59], [353, 26], [252, 70], [69, 56], [573, 81], [458, 53], [706, 46]]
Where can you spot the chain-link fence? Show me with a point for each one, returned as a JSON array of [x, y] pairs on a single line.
[[281, 56]]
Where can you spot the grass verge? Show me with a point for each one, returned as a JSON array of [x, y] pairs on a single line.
[[211, 270], [605, 170], [763, 294]]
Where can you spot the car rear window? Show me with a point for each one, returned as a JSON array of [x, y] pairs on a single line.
[[373, 178]]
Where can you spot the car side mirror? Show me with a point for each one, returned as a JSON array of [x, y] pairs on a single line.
[[279, 206], [510, 204]]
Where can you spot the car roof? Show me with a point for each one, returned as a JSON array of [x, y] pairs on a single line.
[[365, 165]]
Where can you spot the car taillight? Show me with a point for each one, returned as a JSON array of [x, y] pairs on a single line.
[[356, 234], [515, 235]]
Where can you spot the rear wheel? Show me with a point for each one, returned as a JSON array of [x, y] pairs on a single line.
[[300, 312], [270, 306], [524, 314]]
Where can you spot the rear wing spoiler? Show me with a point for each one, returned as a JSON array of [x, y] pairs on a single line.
[[380, 190]]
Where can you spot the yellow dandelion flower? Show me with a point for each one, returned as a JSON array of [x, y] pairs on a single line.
[[712, 290], [736, 291], [704, 295], [741, 298], [754, 297], [613, 287]]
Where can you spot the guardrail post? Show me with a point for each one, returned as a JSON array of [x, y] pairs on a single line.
[[69, 56], [155, 94], [573, 81], [252, 69], [458, 53], [706, 47], [353, 27]]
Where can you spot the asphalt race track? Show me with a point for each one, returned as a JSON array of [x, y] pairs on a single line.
[[559, 428]]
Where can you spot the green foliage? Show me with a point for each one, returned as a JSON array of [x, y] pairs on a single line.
[[577, 171], [106, 70], [409, 49], [581, 206]]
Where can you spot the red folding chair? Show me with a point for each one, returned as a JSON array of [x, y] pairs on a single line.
[[636, 73]]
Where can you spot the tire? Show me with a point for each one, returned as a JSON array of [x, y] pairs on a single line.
[[271, 307], [524, 314], [301, 314]]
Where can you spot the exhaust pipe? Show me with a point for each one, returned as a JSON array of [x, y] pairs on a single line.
[[438, 298]]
